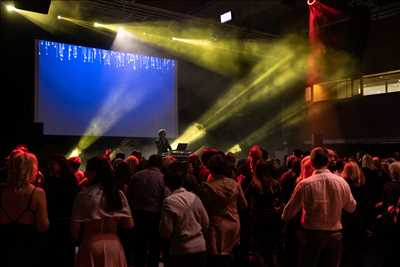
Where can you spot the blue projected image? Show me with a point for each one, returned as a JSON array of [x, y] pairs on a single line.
[[90, 91]]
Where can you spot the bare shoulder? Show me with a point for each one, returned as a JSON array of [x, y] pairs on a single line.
[[39, 194], [39, 191]]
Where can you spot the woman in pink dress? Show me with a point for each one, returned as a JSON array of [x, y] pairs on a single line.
[[98, 211]]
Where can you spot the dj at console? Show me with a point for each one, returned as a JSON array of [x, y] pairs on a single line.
[[164, 148], [162, 142]]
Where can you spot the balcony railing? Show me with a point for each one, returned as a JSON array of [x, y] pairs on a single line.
[[381, 83]]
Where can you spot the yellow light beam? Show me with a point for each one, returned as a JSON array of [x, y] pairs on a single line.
[[294, 113], [267, 79], [194, 132], [235, 149]]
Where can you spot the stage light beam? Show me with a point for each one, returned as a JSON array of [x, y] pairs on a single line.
[[194, 132], [235, 149], [99, 25], [75, 152]]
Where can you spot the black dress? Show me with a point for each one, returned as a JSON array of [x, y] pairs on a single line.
[[60, 193], [266, 220], [20, 244]]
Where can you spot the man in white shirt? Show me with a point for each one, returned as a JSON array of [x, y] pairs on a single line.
[[321, 198], [183, 221]]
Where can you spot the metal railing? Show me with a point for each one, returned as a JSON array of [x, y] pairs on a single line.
[[372, 84]]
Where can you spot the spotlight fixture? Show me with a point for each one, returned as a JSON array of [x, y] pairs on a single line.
[[311, 2], [10, 8], [59, 17], [227, 16]]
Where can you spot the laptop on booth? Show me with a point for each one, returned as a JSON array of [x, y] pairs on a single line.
[[181, 147]]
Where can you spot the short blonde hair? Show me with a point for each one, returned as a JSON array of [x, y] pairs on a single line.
[[22, 168]]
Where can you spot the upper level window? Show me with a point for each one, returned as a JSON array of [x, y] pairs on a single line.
[[388, 82], [394, 86], [374, 86]]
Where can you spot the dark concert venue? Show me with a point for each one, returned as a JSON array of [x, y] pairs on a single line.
[[200, 133]]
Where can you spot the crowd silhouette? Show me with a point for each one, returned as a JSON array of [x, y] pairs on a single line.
[[209, 209]]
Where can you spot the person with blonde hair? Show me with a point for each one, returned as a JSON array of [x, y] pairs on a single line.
[[354, 224], [23, 212], [306, 169], [353, 174]]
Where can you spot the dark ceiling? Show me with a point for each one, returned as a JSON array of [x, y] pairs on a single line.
[[271, 17]]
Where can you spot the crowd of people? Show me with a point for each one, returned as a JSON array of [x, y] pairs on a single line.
[[313, 209]]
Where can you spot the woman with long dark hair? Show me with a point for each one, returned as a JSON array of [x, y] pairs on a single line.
[[61, 189], [98, 211], [265, 208]]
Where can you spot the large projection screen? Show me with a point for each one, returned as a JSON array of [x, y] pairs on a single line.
[[89, 91]]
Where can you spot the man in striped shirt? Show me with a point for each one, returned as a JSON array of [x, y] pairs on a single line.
[[321, 198]]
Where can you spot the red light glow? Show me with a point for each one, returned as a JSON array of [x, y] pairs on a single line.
[[320, 15]]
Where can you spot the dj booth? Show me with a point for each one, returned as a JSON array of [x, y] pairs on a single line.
[[181, 154]]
